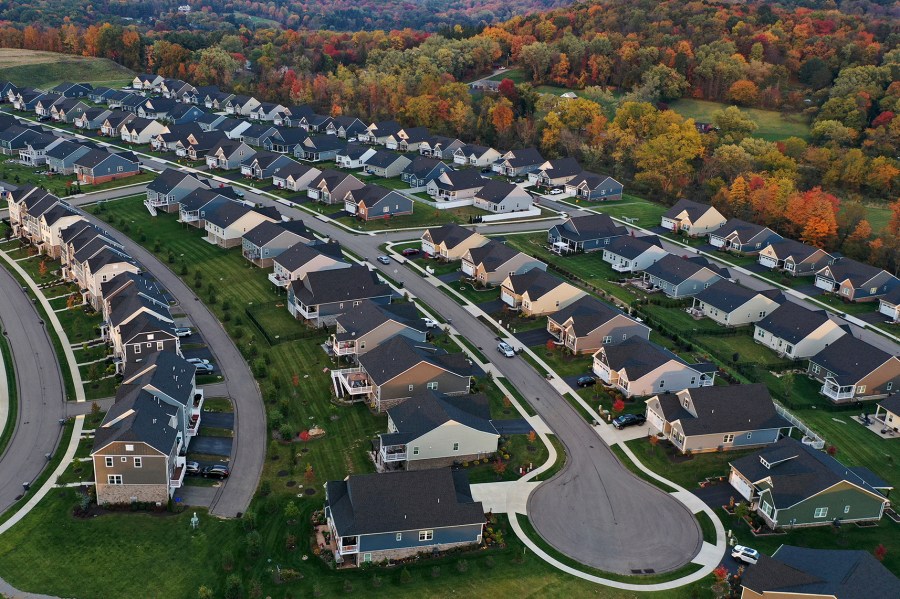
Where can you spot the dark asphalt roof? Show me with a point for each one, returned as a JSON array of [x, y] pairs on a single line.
[[64, 149], [145, 323], [57, 212], [591, 180], [385, 128], [263, 233], [493, 254], [728, 296], [745, 231], [339, 285], [405, 500], [383, 158], [562, 167], [473, 149], [857, 272], [130, 282], [126, 304], [151, 421], [536, 282], [796, 471], [106, 256], [427, 411], [631, 247], [587, 313], [324, 143], [792, 322], [165, 372], [301, 253], [198, 198], [93, 158], [495, 191], [353, 151], [524, 157], [422, 166], [398, 354], [416, 134], [891, 404], [851, 359], [676, 270], [369, 316], [637, 357], [789, 248], [591, 226], [723, 409], [467, 178], [892, 296], [167, 180], [450, 235]]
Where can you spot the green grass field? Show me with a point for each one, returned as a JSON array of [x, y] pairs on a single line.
[[772, 124], [46, 69], [516, 75]]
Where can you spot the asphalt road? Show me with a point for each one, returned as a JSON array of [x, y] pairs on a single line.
[[41, 394], [249, 445]]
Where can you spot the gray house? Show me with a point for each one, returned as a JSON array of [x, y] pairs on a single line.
[[681, 277], [371, 202], [255, 134], [717, 418], [92, 118], [740, 236], [265, 165], [584, 234], [639, 367], [377, 517], [371, 324], [170, 187], [516, 163], [319, 297], [422, 170], [501, 197], [593, 187], [387, 164], [267, 240], [320, 147], [228, 154], [61, 158], [331, 186], [795, 258]]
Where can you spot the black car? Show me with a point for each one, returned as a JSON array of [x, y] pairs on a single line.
[[586, 381], [629, 420], [219, 472]]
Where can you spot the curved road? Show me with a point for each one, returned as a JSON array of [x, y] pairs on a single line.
[[41, 392], [249, 446]]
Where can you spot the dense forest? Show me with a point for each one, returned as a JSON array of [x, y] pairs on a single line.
[[838, 71]]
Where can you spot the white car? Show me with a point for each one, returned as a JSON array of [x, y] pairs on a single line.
[[555, 192], [745, 554], [430, 324], [196, 361], [506, 349], [183, 332]]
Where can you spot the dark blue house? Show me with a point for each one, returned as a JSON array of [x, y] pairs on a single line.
[[319, 297], [395, 515], [584, 234]]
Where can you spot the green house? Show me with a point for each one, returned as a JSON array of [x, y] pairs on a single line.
[[791, 484]]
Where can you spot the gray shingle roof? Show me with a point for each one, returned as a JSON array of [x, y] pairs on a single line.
[[675, 269], [152, 422], [536, 282], [792, 322], [587, 313], [525, 157], [427, 411], [851, 359], [422, 166], [637, 357], [467, 178], [145, 323], [300, 254], [724, 410], [398, 354], [493, 254], [857, 272], [167, 180], [135, 283], [166, 372], [339, 285], [563, 167], [728, 296], [369, 316], [592, 226], [786, 248], [632, 247], [383, 158], [495, 191], [451, 235], [398, 501]]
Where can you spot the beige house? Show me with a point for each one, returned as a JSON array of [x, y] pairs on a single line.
[[227, 224], [852, 370], [491, 263], [536, 293], [432, 430], [732, 305], [638, 367], [102, 267], [370, 325], [795, 332], [692, 218], [300, 259], [587, 323], [52, 222], [451, 242]]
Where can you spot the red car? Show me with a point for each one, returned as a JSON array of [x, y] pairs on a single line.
[[410, 252]]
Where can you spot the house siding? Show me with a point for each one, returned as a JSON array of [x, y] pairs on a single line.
[[385, 546], [517, 265], [148, 483], [745, 314], [863, 506], [619, 328], [809, 346], [438, 444], [393, 392], [712, 442]]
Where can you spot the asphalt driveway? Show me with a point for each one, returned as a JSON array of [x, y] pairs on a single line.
[[533, 337], [212, 445], [217, 419]]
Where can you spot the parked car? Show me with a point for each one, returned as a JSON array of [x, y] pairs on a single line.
[[586, 381], [556, 192], [626, 420], [506, 349], [384, 259], [745, 554], [204, 368], [196, 361], [218, 471], [183, 331], [238, 192], [192, 468], [430, 324], [410, 252], [486, 171]]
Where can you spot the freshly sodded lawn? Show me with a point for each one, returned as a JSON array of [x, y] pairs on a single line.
[[79, 325], [772, 124], [563, 362], [643, 212]]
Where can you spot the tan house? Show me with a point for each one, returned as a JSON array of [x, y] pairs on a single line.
[[451, 242], [302, 258], [370, 325], [733, 305], [536, 293], [52, 222], [888, 413], [587, 323], [491, 263], [692, 218], [102, 267], [795, 332], [227, 224], [400, 368], [852, 370]]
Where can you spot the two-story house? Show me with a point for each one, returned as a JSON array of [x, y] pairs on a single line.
[[491, 263], [692, 218], [227, 223], [170, 187], [681, 277], [370, 324], [372, 202], [319, 297], [587, 324], [268, 240], [302, 258]]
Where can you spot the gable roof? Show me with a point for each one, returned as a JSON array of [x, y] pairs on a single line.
[[496, 191], [638, 357], [467, 178], [591, 226], [492, 255], [145, 323], [728, 296], [728, 409], [368, 316], [300, 254], [536, 282], [792, 322], [694, 209], [167, 180], [850, 359], [336, 285], [399, 353], [790, 248], [743, 229], [450, 234], [141, 418], [383, 158], [139, 283], [523, 157], [587, 313], [675, 269], [631, 247], [418, 499], [857, 272], [562, 167], [427, 411], [422, 166]]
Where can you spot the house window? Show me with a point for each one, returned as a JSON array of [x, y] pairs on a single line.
[[367, 558], [861, 389], [662, 383], [846, 509], [124, 459], [820, 512], [693, 380], [411, 387], [138, 462], [415, 451], [137, 348], [815, 369], [114, 479], [456, 447], [109, 462], [749, 435], [607, 339], [624, 336], [432, 385], [426, 535], [845, 291], [362, 345], [890, 386], [399, 536], [767, 508], [159, 346], [729, 438]]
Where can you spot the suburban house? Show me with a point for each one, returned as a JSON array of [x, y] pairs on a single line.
[[501, 197], [400, 368], [371, 324], [456, 185], [265, 165], [319, 148], [101, 267], [210, 121], [439, 146], [286, 141], [266, 112], [34, 151], [852, 370], [740, 236], [241, 105], [156, 108], [228, 154], [182, 114], [331, 186], [804, 573], [408, 139], [717, 418], [681, 277], [555, 173], [430, 430], [15, 138], [593, 187], [422, 170], [170, 187], [889, 304], [315, 123], [233, 128], [692, 218], [255, 134], [491, 263], [587, 324], [347, 127], [140, 131], [45, 103], [173, 88], [633, 254], [302, 258], [371, 202], [378, 133], [125, 307], [386, 164], [638, 367], [52, 222], [854, 281], [733, 305], [795, 332], [477, 156], [100, 166], [68, 89], [92, 118], [227, 224], [790, 484], [295, 177], [268, 240], [795, 258], [141, 337], [516, 163], [99, 94], [67, 110], [193, 208], [147, 81], [584, 234], [537, 293], [430, 510], [131, 284], [451, 241], [320, 296], [113, 124], [61, 157], [196, 146], [292, 115], [888, 414], [353, 156]]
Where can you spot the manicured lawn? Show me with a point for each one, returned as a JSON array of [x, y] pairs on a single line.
[[27, 175], [516, 75], [563, 362], [839, 305], [878, 217], [132, 180], [102, 388], [643, 212], [49, 272], [685, 472], [772, 124], [422, 216], [677, 318], [36, 68], [748, 351], [80, 325], [522, 454], [474, 294]]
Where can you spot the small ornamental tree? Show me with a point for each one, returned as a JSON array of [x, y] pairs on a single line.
[[295, 380], [880, 552], [42, 268], [831, 450], [550, 345], [72, 301], [310, 474], [499, 467], [618, 406], [304, 436], [291, 512], [532, 436]]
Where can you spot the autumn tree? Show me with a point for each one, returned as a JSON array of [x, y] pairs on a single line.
[[666, 160], [743, 92], [813, 216], [618, 406], [857, 243], [502, 116], [733, 125], [499, 467]]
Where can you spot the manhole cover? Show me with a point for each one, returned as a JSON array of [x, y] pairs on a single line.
[[290, 483], [282, 473], [310, 491]]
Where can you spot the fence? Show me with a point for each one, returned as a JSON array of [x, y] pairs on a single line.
[[815, 441]]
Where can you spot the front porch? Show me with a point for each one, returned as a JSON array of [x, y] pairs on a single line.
[[196, 412]]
